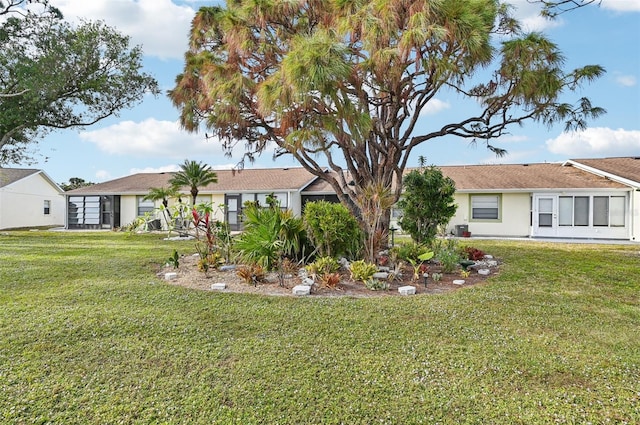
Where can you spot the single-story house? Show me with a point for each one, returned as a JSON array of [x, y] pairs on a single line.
[[119, 202], [591, 198], [29, 198]]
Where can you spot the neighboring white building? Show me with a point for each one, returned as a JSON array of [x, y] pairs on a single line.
[[29, 198]]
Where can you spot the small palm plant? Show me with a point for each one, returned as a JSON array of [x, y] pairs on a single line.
[[193, 175]]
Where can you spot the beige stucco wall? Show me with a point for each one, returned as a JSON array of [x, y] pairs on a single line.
[[22, 204], [635, 216], [514, 216]]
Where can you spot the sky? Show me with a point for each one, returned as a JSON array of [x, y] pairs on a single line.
[[148, 137]]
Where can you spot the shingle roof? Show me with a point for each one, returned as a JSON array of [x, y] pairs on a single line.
[[524, 176], [11, 175], [265, 179], [625, 167]]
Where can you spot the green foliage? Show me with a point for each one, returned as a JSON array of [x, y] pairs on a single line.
[[193, 175], [427, 203], [448, 254], [56, 75], [174, 259], [332, 229], [322, 266], [269, 234], [75, 183], [411, 252], [376, 285], [362, 270]]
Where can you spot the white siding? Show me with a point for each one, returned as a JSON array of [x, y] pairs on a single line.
[[22, 203]]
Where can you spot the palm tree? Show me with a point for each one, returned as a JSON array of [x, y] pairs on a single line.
[[193, 175], [163, 194]]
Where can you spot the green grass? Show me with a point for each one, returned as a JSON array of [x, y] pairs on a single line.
[[88, 334]]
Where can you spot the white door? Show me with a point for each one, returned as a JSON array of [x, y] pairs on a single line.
[[545, 216]]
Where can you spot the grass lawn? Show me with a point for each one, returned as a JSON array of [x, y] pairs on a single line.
[[89, 335]]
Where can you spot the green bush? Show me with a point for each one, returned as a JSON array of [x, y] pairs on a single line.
[[322, 266], [409, 251], [448, 254], [362, 270], [270, 234], [332, 229]]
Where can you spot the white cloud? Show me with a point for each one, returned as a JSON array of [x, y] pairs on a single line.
[[160, 26], [434, 106], [621, 5], [529, 16], [598, 142], [152, 138], [626, 80]]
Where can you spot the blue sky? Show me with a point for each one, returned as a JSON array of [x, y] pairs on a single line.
[[148, 138]]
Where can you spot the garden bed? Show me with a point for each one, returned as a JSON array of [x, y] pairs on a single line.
[[189, 276]]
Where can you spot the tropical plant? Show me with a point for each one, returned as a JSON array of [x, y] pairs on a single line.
[[57, 75], [332, 228], [193, 175], [174, 259], [269, 234], [362, 270], [322, 266], [252, 274], [376, 285], [427, 203], [350, 80], [163, 194]]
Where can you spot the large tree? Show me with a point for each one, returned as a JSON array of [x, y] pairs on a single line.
[[342, 83], [54, 75]]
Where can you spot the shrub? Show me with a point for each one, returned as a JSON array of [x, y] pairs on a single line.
[[376, 285], [409, 251], [270, 234], [362, 270], [332, 229], [447, 253], [330, 280], [252, 274], [427, 203], [473, 254], [323, 266]]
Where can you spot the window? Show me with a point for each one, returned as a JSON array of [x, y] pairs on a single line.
[[145, 206], [603, 211], [84, 210], [47, 207], [485, 207]]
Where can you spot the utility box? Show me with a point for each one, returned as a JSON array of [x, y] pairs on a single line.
[[461, 230]]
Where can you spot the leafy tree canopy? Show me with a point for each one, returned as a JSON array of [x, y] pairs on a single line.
[[342, 83], [427, 203], [193, 175], [55, 76], [75, 183]]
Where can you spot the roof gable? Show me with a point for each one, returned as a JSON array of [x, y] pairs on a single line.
[[12, 175], [623, 169]]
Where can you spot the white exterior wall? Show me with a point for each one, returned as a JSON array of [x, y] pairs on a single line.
[[635, 215], [514, 216], [128, 209], [22, 203]]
